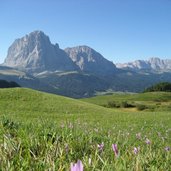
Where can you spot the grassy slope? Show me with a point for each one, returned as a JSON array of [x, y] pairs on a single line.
[[152, 98], [27, 103], [27, 146]]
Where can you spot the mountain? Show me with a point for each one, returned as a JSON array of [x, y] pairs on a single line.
[[25, 80], [34, 62], [74, 84], [90, 61], [151, 65], [35, 53]]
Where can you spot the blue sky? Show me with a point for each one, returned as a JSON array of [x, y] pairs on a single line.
[[121, 30]]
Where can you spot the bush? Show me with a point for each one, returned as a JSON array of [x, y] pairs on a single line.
[[111, 104], [141, 107], [125, 104]]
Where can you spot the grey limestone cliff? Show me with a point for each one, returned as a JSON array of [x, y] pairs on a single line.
[[88, 60], [153, 64], [35, 53]]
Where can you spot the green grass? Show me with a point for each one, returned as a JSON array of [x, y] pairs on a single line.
[[40, 131], [152, 100], [26, 103]]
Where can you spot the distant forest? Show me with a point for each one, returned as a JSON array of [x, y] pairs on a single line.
[[163, 86], [6, 84]]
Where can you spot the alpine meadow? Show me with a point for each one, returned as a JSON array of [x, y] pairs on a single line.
[[85, 85], [41, 131]]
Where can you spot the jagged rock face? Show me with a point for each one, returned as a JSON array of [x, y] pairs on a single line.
[[136, 65], [34, 52], [159, 64], [153, 64], [88, 60]]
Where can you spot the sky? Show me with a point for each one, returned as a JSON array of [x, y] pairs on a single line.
[[121, 30]]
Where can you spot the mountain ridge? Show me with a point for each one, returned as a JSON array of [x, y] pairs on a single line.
[[89, 60], [33, 61], [35, 53], [154, 64]]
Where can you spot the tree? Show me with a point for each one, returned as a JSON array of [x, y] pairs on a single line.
[[6, 84], [163, 86]]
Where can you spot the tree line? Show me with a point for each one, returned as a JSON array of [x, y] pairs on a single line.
[[163, 86]]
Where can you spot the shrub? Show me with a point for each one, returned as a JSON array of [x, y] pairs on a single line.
[[125, 104], [111, 104], [141, 107]]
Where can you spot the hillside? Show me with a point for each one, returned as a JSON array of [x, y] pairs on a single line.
[[6, 84], [150, 100], [24, 103], [43, 131]]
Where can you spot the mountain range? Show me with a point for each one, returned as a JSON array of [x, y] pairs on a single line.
[[152, 65], [33, 61]]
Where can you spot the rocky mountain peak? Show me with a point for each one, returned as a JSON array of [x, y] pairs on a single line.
[[34, 52], [154, 64], [88, 60]]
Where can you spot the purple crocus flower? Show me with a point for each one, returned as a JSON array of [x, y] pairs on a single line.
[[136, 150], [167, 148], [147, 141], [100, 146], [77, 166], [115, 149]]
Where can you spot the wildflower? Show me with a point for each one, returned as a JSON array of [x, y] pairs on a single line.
[[147, 141], [100, 146], [167, 148], [136, 150], [115, 149], [77, 166]]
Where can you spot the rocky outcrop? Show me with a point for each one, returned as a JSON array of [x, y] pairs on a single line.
[[35, 53], [88, 60], [153, 64]]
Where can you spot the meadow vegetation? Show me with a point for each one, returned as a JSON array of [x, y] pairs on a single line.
[[40, 131], [149, 101]]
